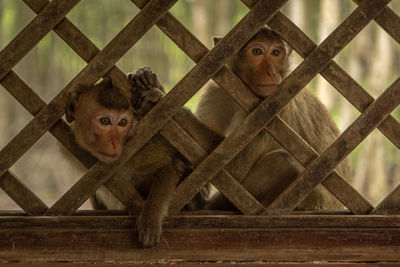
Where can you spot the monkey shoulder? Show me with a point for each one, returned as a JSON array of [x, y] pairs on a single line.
[[216, 109], [155, 154], [311, 119]]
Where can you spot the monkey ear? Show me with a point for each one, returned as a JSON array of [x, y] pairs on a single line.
[[107, 82], [216, 39], [72, 98], [70, 107], [289, 50]]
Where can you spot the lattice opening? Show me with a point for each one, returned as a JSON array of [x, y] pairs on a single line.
[[318, 59]]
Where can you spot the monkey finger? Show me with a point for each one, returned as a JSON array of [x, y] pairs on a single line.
[[139, 82], [144, 74], [130, 74], [154, 81], [139, 101], [144, 79], [147, 75]]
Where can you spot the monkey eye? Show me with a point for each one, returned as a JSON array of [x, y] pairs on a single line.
[[123, 122], [105, 120], [257, 51], [276, 52]]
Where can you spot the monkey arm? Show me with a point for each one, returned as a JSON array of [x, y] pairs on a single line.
[[149, 223]]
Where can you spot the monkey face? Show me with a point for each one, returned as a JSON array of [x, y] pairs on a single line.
[[259, 65], [102, 131]]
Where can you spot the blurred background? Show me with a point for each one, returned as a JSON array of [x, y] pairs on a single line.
[[372, 59]]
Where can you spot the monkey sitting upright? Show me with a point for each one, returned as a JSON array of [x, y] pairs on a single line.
[[263, 167], [102, 120]]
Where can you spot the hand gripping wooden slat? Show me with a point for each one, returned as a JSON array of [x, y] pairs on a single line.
[[314, 63], [87, 51], [91, 73], [99, 65], [227, 80], [189, 44]]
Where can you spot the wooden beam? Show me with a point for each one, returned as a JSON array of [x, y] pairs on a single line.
[[203, 238]]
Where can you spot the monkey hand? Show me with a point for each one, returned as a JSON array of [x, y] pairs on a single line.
[[149, 230], [146, 89]]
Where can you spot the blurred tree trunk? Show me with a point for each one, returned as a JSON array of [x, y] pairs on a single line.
[[347, 115], [371, 174], [394, 178], [200, 22], [296, 10], [329, 17], [3, 102], [224, 9]]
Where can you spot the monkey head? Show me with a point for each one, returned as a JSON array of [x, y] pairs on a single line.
[[102, 119], [262, 62]]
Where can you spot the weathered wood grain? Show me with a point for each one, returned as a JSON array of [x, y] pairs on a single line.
[[22, 195], [203, 238]]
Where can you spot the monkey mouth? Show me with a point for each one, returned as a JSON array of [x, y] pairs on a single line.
[[109, 157], [267, 85], [264, 90]]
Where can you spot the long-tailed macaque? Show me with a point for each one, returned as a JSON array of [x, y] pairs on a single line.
[[263, 167], [102, 121]]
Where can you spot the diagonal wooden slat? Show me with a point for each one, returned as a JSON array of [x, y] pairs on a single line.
[[69, 33], [224, 182], [347, 142], [388, 20], [170, 104], [33, 33], [313, 64], [305, 154], [22, 195], [88, 76], [169, 22], [389, 205]]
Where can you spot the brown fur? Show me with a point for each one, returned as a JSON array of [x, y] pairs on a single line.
[[157, 168], [263, 167], [151, 170]]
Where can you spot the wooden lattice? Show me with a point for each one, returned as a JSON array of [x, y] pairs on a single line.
[[367, 235]]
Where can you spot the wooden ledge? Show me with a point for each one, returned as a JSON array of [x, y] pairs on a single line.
[[199, 238]]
